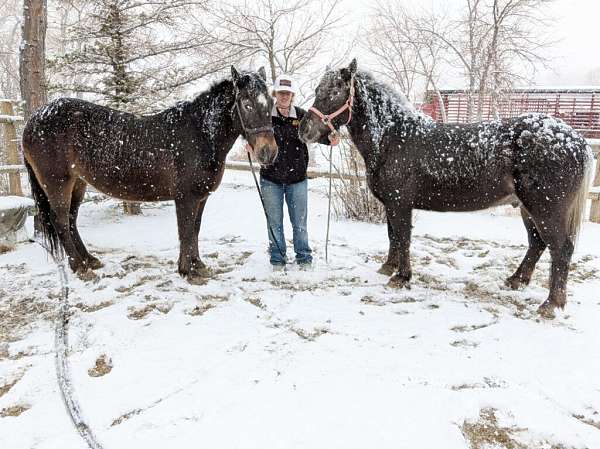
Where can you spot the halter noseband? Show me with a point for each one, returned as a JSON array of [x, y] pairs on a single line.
[[328, 119], [249, 131]]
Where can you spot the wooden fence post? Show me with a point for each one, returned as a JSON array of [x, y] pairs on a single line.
[[595, 194], [12, 149]]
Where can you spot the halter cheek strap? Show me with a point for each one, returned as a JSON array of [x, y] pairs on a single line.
[[328, 119], [249, 131]]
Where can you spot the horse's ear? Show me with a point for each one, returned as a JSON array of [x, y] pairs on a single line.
[[235, 75], [352, 66], [262, 73], [350, 71]]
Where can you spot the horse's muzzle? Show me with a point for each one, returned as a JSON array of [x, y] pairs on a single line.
[[307, 131], [265, 149]]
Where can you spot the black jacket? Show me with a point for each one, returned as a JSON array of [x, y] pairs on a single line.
[[292, 158]]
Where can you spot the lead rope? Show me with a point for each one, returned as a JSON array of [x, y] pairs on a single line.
[[328, 205], [262, 200], [63, 368]]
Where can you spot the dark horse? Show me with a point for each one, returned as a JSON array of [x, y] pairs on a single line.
[[414, 163], [177, 154]]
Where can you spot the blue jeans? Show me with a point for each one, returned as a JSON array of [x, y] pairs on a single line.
[[296, 197]]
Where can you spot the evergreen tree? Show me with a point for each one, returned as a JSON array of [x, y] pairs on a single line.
[[133, 55]]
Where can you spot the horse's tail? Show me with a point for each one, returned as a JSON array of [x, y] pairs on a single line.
[[44, 215], [579, 204]]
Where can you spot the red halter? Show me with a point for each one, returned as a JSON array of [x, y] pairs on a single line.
[[327, 119]]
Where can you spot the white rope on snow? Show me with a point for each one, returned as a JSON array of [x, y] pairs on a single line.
[[63, 371]]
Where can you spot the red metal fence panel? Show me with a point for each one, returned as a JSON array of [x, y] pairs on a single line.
[[580, 108]]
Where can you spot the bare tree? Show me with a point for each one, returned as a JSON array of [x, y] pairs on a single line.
[[10, 21], [409, 57], [292, 37], [511, 39], [495, 43], [390, 40], [286, 35], [352, 197]]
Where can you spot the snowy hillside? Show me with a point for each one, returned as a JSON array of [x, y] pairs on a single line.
[[330, 358]]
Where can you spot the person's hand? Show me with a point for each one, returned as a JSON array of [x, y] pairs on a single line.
[[334, 139], [248, 148]]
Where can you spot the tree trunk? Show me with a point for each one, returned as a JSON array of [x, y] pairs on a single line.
[[32, 56], [440, 101], [481, 100], [471, 112], [121, 80], [272, 66], [32, 62]]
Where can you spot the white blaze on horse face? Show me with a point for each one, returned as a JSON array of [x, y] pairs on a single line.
[[262, 100]]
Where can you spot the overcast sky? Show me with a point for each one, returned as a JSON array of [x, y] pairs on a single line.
[[578, 52], [577, 30]]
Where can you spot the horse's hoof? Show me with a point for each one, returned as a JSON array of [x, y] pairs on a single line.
[[198, 275], [202, 271], [86, 274], [196, 279], [386, 269], [398, 282], [546, 310], [515, 282], [94, 264]]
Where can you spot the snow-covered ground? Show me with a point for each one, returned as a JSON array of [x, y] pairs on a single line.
[[330, 358]]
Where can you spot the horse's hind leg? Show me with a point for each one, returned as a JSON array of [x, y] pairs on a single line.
[[561, 250], [536, 247], [552, 225], [59, 196], [76, 199]]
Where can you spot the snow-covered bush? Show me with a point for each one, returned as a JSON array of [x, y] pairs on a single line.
[[351, 196]]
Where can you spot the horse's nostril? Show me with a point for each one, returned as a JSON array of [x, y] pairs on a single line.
[[270, 155], [265, 154], [302, 128]]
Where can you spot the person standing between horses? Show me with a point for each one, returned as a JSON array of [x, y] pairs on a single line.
[[285, 180]]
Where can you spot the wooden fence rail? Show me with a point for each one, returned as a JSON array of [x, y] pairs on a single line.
[[14, 168], [594, 194]]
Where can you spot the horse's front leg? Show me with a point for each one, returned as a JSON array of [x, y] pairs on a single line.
[[401, 222], [188, 208], [391, 264], [197, 261]]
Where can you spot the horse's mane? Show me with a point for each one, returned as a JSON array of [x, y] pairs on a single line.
[[385, 107], [199, 103], [384, 92], [206, 99], [216, 88]]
